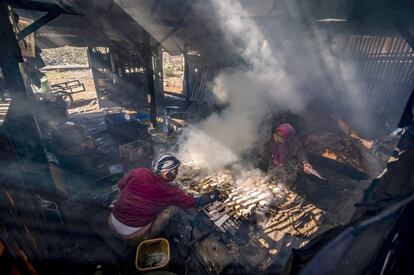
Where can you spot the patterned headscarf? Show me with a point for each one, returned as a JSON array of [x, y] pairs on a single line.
[[164, 162]]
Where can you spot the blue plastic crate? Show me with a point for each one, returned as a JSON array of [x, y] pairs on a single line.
[[117, 118], [140, 116]]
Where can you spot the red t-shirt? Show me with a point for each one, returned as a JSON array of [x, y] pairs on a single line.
[[144, 195]]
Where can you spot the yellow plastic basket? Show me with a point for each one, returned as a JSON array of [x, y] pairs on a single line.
[[152, 254]]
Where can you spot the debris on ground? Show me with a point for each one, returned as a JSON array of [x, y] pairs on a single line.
[[335, 146]]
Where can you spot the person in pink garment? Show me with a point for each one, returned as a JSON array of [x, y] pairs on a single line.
[[286, 145], [146, 199]]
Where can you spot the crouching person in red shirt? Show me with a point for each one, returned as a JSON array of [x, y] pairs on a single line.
[[147, 200]]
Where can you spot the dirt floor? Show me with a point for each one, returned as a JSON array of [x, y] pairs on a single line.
[[84, 102], [65, 56], [173, 85]]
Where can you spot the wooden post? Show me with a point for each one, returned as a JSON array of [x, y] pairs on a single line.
[[186, 78], [159, 77], [20, 125], [10, 57], [149, 70]]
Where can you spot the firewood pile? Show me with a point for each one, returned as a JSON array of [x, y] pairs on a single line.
[[248, 193], [338, 147]]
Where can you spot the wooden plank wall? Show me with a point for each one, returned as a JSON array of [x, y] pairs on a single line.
[[384, 70]]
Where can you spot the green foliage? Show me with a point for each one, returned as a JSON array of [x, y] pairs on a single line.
[[173, 66]]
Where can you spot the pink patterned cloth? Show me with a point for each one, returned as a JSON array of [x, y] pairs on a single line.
[[280, 150]]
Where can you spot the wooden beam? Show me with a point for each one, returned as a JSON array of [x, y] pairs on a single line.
[[40, 6], [37, 24]]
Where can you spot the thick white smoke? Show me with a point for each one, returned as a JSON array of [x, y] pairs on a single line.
[[251, 94]]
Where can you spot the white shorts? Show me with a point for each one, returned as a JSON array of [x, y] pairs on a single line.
[[122, 228]]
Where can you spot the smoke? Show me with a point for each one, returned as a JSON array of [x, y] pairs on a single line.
[[252, 94], [347, 84]]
